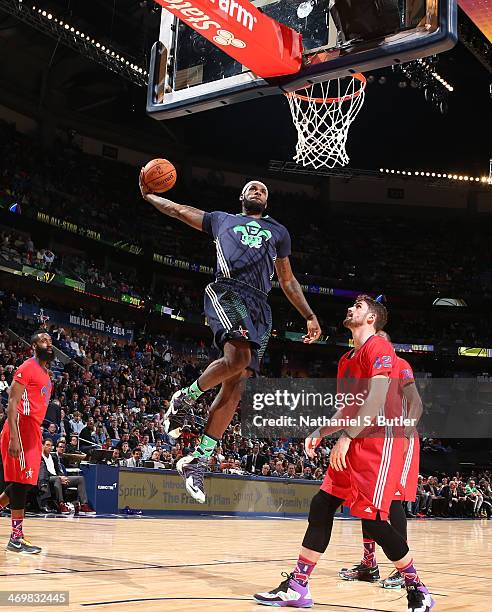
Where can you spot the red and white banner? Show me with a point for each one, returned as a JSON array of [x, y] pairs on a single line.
[[266, 47]]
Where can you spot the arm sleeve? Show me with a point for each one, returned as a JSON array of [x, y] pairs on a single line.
[[284, 244], [380, 359], [211, 222], [23, 374], [406, 374]]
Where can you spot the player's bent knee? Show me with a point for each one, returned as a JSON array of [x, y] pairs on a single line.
[[323, 507], [393, 545], [321, 513]]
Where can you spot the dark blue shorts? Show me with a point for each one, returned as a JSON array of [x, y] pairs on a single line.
[[236, 311]]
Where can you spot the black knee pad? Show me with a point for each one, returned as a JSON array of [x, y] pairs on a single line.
[[321, 513], [393, 545], [398, 518], [17, 493]]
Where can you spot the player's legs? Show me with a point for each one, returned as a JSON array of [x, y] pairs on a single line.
[[367, 570], [192, 467], [16, 494], [294, 590], [396, 549]]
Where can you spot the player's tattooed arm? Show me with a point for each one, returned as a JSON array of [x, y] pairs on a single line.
[[187, 214], [293, 291]]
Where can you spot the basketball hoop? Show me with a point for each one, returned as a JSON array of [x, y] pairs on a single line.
[[322, 115]]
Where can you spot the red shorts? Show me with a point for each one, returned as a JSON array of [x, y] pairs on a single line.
[[25, 468], [368, 485], [407, 488]]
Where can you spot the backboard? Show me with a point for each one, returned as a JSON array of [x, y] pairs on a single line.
[[189, 74]]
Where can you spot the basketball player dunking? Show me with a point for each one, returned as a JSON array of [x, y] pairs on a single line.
[[250, 246], [29, 396], [364, 471]]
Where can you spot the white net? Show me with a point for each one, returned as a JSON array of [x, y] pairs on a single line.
[[322, 115]]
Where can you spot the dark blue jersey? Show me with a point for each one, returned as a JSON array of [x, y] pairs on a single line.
[[247, 247]]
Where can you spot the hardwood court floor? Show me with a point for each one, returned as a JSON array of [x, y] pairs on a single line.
[[142, 564]]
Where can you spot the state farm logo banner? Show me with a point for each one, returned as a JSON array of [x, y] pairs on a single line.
[[266, 47]]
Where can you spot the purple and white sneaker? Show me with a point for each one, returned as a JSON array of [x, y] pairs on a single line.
[[419, 599], [192, 469], [179, 412], [288, 593]]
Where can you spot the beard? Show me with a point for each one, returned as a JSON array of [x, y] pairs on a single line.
[[350, 323], [44, 354], [253, 206]]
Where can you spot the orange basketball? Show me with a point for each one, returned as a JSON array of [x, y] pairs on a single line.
[[159, 175]]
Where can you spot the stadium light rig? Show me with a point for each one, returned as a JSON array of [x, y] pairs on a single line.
[[437, 175], [47, 22]]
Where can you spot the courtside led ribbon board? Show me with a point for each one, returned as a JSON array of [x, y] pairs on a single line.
[[266, 47]]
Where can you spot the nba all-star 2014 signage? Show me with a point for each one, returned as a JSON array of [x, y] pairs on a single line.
[[266, 47], [49, 316]]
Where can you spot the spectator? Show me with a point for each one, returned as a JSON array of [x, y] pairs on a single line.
[[279, 471], [291, 471], [147, 448], [254, 460], [308, 473], [136, 458], [51, 474], [76, 423], [474, 498]]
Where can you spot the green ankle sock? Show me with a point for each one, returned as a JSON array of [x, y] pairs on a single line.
[[193, 391], [206, 446]]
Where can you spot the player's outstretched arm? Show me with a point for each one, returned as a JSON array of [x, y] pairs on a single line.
[[187, 214], [15, 395], [292, 289]]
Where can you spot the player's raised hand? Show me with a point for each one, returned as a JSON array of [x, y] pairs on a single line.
[[313, 330], [310, 446], [14, 447], [337, 455], [143, 189]]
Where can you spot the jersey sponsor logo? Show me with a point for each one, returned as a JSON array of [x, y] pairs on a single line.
[[252, 234], [382, 362], [407, 374]]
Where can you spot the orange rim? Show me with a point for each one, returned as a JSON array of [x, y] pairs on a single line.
[[359, 76]]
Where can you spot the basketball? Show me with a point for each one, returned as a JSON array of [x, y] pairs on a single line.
[[159, 175]]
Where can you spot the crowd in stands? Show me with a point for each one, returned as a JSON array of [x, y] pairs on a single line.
[[114, 395], [186, 297], [455, 496], [427, 257]]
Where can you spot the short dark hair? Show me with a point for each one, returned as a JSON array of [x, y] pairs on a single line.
[[375, 308], [35, 336]]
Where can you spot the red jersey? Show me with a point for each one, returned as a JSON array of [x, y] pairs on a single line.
[[375, 357], [405, 377], [37, 392]]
